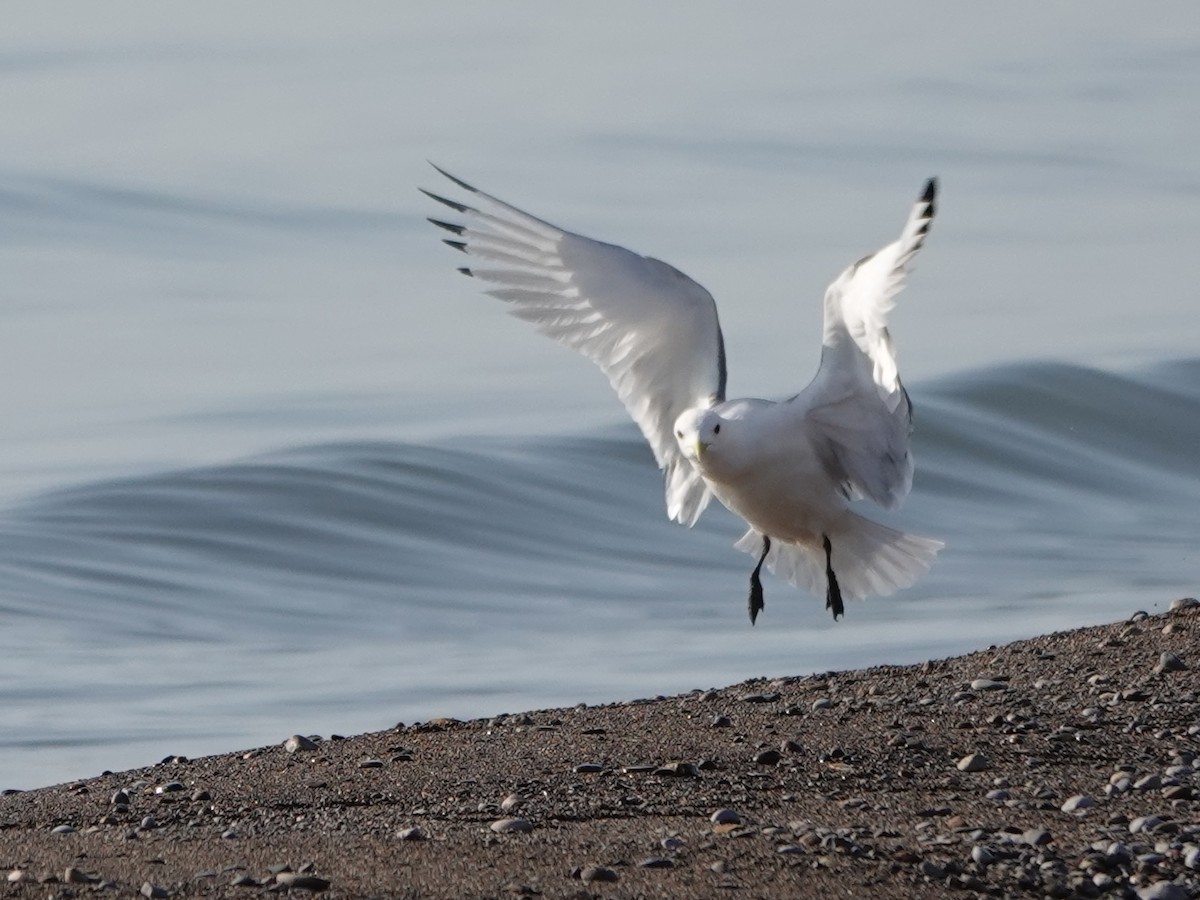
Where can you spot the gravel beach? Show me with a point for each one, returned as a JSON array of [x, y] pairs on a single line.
[[1062, 766]]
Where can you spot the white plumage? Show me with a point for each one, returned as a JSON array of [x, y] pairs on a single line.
[[789, 468]]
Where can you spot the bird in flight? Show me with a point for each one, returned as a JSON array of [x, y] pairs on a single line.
[[789, 468]]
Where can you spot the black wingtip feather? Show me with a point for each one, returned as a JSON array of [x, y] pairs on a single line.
[[448, 226], [462, 184], [453, 204], [466, 271], [457, 245]]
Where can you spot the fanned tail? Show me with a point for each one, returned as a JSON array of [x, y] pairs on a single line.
[[869, 559]]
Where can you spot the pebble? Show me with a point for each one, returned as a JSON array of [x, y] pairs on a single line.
[[973, 762], [170, 787], [982, 856], [73, 875], [671, 843], [371, 764], [511, 802], [1163, 890], [298, 742], [822, 703], [657, 862], [767, 757], [1036, 837], [988, 684], [415, 833], [1169, 662], [120, 798], [725, 817], [1148, 783], [153, 891], [598, 873], [512, 826], [1144, 823], [721, 722], [1078, 803], [588, 768], [63, 829], [16, 876], [303, 882]]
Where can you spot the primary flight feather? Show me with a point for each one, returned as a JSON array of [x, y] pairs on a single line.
[[789, 468]]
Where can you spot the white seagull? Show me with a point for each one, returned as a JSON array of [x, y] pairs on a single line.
[[789, 468]]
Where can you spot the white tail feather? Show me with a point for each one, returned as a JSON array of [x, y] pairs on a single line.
[[868, 559]]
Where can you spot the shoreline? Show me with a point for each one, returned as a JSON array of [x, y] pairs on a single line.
[[1062, 765]]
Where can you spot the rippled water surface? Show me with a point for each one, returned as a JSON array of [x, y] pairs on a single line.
[[269, 466]]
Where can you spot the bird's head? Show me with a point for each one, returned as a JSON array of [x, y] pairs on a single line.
[[698, 433]]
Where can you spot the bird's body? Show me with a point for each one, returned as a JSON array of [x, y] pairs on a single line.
[[791, 468]]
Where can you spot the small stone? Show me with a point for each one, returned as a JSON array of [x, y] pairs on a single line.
[[589, 768], [170, 787], [822, 703], [982, 856], [298, 742], [371, 764], [999, 795], [720, 722], [415, 833], [201, 795], [120, 798], [988, 684], [154, 891], [512, 826], [1169, 662], [244, 881], [789, 849], [16, 876], [1148, 783], [1078, 803], [303, 882], [63, 829], [657, 862], [1191, 856], [672, 842], [973, 762], [677, 769], [725, 817], [1145, 824], [511, 802], [767, 757], [1036, 837], [760, 698], [73, 875], [599, 874], [930, 869], [1163, 890]]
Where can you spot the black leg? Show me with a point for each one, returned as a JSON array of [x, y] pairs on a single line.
[[833, 594], [756, 591]]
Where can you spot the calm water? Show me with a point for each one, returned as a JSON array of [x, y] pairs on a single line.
[[268, 465]]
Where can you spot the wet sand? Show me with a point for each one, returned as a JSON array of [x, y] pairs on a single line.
[[1060, 766]]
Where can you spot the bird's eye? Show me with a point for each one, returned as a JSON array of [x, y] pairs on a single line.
[[678, 434], [716, 429]]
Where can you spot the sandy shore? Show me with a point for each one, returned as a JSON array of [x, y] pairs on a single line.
[[1060, 766]]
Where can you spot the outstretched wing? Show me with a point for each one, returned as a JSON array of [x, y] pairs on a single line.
[[651, 329], [861, 411]]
